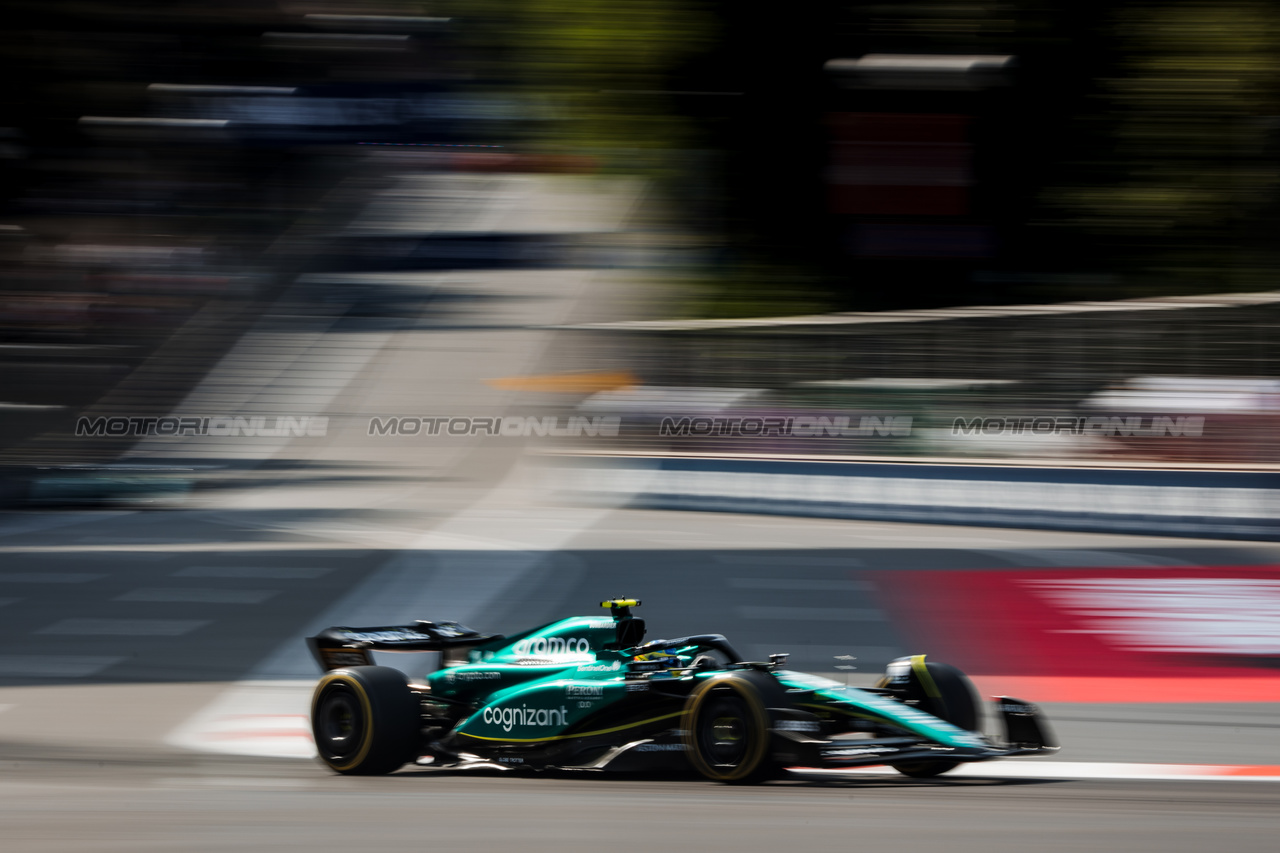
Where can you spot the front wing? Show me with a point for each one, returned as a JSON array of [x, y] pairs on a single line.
[[797, 741]]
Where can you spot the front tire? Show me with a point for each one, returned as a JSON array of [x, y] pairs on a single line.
[[727, 731], [365, 720], [950, 696]]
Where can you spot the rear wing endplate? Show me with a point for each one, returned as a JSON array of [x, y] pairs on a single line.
[[334, 648]]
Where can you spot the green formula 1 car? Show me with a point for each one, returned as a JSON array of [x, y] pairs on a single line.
[[588, 693]]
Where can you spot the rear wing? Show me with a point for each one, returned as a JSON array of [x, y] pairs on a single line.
[[335, 648]]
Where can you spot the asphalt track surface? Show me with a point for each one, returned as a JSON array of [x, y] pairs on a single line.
[[86, 765], [210, 805]]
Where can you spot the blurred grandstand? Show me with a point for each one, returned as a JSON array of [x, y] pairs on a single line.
[[817, 228]]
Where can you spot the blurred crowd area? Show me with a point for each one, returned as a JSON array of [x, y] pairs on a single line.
[[169, 169]]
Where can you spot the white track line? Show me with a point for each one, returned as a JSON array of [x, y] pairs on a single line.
[[1087, 770], [269, 719]]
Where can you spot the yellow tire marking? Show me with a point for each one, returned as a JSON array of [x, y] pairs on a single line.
[[359, 690], [926, 680], [752, 761]]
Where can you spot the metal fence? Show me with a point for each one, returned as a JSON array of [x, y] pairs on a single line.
[[1192, 380]]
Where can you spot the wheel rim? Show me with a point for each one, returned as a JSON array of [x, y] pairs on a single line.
[[724, 732], [339, 723]]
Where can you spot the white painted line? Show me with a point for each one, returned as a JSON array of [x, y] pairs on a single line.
[[802, 584], [199, 596], [54, 666], [124, 627], [811, 614], [49, 577], [1036, 769], [263, 718], [269, 572]]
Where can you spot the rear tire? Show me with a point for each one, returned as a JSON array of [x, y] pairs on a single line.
[[365, 720], [956, 701], [727, 734]]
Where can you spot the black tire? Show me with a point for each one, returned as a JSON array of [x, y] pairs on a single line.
[[727, 731], [951, 697], [365, 720]]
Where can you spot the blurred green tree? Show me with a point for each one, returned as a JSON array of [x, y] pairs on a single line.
[[597, 71], [1179, 187]]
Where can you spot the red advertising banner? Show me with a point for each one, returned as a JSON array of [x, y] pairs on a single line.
[[1206, 634]]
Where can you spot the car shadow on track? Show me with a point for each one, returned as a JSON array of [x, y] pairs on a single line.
[[906, 782], [791, 779]]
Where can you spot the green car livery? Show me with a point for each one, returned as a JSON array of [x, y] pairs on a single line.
[[589, 694]]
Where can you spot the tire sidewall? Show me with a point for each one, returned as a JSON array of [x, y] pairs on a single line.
[[388, 730]]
